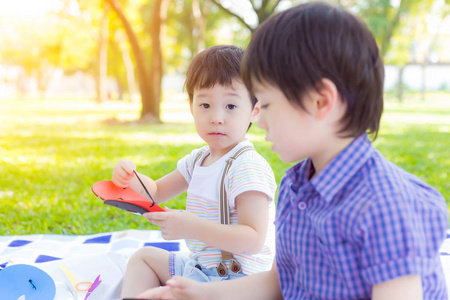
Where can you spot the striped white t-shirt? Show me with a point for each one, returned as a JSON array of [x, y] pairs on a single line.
[[249, 172]]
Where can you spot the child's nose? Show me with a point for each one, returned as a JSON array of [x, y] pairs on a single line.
[[216, 117]]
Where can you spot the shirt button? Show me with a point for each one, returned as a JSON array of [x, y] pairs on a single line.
[[302, 205]]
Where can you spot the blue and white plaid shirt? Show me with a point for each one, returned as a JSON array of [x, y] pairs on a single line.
[[359, 222]]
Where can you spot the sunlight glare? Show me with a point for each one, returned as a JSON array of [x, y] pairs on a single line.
[[28, 8]]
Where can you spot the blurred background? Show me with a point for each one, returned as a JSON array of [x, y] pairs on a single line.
[[85, 83], [138, 50]]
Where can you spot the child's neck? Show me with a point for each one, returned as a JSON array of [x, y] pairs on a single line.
[[323, 158], [215, 154]]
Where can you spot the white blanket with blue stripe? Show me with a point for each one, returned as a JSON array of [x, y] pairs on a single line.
[[74, 262], [77, 262]]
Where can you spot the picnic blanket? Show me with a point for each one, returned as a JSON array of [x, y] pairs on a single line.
[[91, 267], [86, 267]]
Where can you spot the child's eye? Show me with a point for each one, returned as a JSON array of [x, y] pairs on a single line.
[[204, 105], [231, 106], [264, 106]]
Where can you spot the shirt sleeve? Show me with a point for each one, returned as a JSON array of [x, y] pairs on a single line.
[[186, 165], [250, 172], [402, 235]]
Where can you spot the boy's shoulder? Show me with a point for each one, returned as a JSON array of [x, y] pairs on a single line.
[[249, 156], [388, 182], [198, 153], [385, 174], [390, 199]]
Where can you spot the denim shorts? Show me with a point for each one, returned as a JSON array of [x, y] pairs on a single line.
[[181, 265]]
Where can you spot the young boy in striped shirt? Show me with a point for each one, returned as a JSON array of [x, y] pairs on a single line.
[[349, 224], [223, 110]]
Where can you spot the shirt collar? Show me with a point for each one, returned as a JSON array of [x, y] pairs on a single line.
[[342, 168], [299, 174]]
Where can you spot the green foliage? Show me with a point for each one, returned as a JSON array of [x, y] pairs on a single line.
[[51, 153], [396, 25], [181, 33], [414, 135], [42, 44]]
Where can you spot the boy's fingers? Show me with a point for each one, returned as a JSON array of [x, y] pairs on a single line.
[[173, 210], [157, 293], [117, 183], [155, 216], [129, 168], [175, 282], [121, 180], [179, 284]]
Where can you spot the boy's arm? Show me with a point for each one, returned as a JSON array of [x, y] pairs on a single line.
[[247, 237], [406, 287], [264, 285], [170, 186], [163, 189]]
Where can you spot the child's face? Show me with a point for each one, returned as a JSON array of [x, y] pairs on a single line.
[[222, 115], [294, 132]]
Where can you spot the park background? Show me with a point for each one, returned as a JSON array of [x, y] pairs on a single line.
[[85, 83]]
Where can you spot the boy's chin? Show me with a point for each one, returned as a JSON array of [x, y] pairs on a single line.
[[281, 156], [285, 157]]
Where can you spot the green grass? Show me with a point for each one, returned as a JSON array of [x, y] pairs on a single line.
[[51, 152]]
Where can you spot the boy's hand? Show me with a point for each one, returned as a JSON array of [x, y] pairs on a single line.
[[179, 288], [123, 172], [162, 292], [174, 224]]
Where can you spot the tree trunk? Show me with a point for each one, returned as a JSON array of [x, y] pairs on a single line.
[[240, 19], [131, 82], [103, 57], [156, 66], [43, 75], [145, 82], [129, 68], [200, 12], [423, 89], [264, 11], [386, 41], [400, 84]]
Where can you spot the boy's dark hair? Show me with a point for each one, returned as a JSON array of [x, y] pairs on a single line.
[[215, 65], [295, 49]]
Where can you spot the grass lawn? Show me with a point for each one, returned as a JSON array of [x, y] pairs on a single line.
[[52, 151]]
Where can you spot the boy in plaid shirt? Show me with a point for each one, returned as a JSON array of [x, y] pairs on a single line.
[[349, 224]]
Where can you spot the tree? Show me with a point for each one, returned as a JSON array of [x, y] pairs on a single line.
[[188, 25], [103, 38], [392, 23], [263, 11], [200, 12], [149, 78], [156, 67], [123, 69], [42, 45]]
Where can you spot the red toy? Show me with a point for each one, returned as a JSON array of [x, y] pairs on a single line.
[[124, 198]]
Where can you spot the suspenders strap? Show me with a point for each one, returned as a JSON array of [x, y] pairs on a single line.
[[224, 210], [223, 207]]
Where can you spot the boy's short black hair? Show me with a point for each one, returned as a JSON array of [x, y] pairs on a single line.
[[215, 65], [295, 49]]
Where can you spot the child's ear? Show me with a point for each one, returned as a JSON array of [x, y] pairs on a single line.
[[256, 112], [190, 106], [325, 99]]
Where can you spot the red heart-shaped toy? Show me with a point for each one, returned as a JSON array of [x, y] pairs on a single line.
[[123, 198]]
